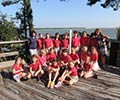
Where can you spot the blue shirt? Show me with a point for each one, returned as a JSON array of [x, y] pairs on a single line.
[[32, 43]]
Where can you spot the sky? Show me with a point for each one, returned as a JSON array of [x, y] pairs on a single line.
[[74, 13]]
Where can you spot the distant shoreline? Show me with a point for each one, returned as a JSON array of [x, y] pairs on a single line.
[[73, 28]]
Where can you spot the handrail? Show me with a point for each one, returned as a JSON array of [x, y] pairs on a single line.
[[12, 42]]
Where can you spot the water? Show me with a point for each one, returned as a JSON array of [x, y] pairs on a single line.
[[111, 32]]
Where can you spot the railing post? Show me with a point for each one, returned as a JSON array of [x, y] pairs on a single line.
[[70, 41]]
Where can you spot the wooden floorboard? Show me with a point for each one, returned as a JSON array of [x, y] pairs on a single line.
[[106, 87]]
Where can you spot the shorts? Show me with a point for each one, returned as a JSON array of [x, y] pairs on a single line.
[[16, 77], [74, 78], [57, 49], [103, 51], [33, 51]]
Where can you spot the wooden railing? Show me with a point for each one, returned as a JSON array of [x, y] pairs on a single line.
[[7, 58]]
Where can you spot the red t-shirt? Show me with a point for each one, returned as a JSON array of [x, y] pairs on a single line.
[[65, 43], [42, 59], [74, 56], [48, 43], [93, 42], [40, 42], [54, 66], [94, 57], [35, 67], [87, 67], [83, 56], [56, 43], [50, 56], [75, 41], [74, 71], [17, 68], [84, 41], [65, 59]]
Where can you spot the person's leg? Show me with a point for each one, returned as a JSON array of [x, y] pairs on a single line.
[[82, 73], [50, 77], [16, 78], [88, 74], [55, 77]]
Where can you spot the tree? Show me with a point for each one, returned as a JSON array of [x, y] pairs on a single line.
[[24, 15], [115, 4], [7, 29]]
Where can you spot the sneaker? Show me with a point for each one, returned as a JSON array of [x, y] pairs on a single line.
[[58, 85], [52, 85], [49, 84]]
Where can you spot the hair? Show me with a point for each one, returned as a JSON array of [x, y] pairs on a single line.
[[34, 56], [85, 47], [33, 32], [18, 57], [43, 51], [57, 33], [64, 50], [73, 48], [74, 32], [40, 33]]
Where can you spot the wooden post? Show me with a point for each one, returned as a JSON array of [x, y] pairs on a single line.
[[70, 41]]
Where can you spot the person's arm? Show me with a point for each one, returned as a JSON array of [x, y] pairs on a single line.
[[14, 71], [39, 70]]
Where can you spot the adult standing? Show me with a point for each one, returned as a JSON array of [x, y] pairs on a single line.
[[102, 46], [32, 43]]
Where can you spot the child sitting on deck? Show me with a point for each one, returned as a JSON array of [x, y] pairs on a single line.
[[87, 69], [53, 69], [35, 68], [83, 54], [64, 59], [50, 56], [18, 70], [94, 59], [42, 58], [75, 56], [69, 77]]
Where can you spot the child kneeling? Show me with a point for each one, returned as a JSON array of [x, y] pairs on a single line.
[[35, 68], [69, 77]]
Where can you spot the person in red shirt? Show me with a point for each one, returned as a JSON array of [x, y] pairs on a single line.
[[75, 56], [56, 43], [87, 68], [94, 59], [84, 39], [64, 57], [51, 56], [48, 42], [35, 68], [83, 54], [65, 41], [18, 70], [42, 59], [53, 69], [76, 41], [93, 41], [71, 74], [40, 42]]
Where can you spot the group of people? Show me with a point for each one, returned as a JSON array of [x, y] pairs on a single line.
[[50, 56]]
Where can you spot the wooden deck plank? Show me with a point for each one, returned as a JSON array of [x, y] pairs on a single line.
[[106, 87]]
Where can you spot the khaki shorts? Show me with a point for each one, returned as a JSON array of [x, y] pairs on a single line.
[[74, 78]]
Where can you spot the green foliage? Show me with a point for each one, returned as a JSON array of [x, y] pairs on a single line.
[[24, 15], [7, 29], [118, 33]]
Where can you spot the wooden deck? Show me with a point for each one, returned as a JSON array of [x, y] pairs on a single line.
[[106, 87]]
